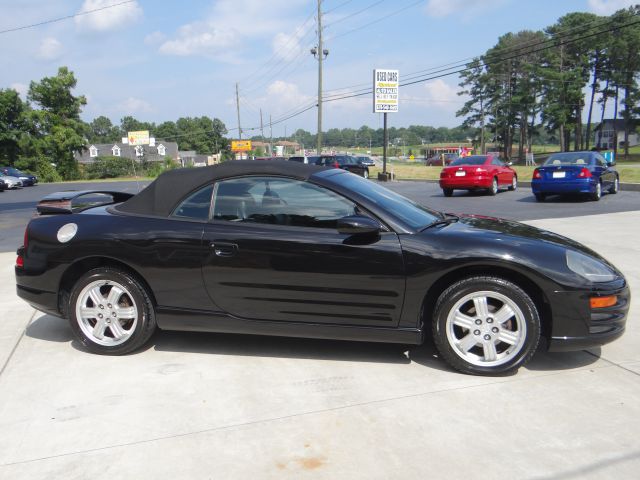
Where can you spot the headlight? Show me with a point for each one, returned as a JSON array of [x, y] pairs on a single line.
[[589, 267]]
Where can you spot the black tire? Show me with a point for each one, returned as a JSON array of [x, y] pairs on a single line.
[[615, 188], [523, 327], [135, 296], [597, 195], [514, 184], [540, 197], [447, 192], [365, 173], [494, 187]]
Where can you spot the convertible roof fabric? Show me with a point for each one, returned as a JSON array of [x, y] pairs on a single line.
[[162, 195]]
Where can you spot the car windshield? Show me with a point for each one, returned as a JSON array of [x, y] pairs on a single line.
[[573, 158], [13, 171], [414, 215], [472, 160]]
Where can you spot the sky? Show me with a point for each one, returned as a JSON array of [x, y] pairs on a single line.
[[160, 60]]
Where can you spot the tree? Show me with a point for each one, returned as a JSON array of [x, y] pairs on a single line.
[[101, 130], [12, 109], [56, 129]]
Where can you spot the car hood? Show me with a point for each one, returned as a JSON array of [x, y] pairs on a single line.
[[9, 178], [481, 238]]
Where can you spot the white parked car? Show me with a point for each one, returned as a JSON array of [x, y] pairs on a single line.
[[12, 182]]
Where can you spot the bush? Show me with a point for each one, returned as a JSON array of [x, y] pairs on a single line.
[[110, 167], [46, 172]]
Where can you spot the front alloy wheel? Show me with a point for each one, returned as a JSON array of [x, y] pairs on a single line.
[[485, 326], [365, 174], [110, 311], [514, 184]]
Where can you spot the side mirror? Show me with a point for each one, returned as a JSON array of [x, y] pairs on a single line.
[[509, 164], [357, 225], [611, 164]]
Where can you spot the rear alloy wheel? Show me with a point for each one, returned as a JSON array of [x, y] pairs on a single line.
[[540, 197], [615, 188], [494, 187], [485, 326], [365, 174], [447, 192], [514, 184], [597, 194], [110, 312]]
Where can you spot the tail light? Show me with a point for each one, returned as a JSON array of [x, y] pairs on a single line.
[[537, 174], [336, 165], [25, 243], [481, 170], [584, 173]]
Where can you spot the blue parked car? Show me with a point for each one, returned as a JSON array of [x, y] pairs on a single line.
[[585, 173]]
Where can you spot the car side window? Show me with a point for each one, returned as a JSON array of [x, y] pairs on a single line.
[[279, 201], [196, 206], [600, 161]]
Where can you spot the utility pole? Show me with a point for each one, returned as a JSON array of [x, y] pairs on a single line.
[[238, 109], [261, 127], [321, 54], [271, 137]]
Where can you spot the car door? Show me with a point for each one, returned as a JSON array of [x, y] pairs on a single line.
[[607, 172], [275, 254]]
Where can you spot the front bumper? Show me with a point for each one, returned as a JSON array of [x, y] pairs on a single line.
[[582, 185], [576, 326]]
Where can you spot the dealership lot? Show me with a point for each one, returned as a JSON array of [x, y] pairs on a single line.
[[230, 406]]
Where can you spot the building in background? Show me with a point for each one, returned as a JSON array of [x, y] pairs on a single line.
[[154, 152], [605, 132]]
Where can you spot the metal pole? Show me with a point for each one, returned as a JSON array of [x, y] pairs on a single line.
[[319, 143], [238, 109], [271, 137], [384, 146]]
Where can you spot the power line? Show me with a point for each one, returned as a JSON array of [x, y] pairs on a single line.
[[358, 12], [456, 64], [54, 20], [337, 7], [400, 10], [273, 56]]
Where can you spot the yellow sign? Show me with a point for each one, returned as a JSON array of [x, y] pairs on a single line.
[[412, 158], [140, 137], [240, 145]]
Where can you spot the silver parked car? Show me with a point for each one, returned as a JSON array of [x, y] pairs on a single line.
[[11, 182]]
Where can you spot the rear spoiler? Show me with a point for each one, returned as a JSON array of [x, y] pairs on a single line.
[[63, 202]]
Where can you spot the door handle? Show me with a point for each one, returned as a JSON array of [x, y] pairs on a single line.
[[224, 249]]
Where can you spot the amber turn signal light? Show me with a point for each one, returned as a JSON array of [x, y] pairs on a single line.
[[603, 302]]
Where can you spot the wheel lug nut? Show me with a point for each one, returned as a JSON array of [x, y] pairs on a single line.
[[101, 306], [99, 315], [476, 332], [478, 321], [489, 320], [113, 314], [487, 337], [494, 329], [109, 305]]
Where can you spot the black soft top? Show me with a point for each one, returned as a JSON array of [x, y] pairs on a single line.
[[162, 195]]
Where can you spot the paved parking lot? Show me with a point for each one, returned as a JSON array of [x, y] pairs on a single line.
[[229, 406]]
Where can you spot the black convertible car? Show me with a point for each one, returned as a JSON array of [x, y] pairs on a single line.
[[279, 248]]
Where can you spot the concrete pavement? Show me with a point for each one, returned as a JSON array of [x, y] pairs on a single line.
[[229, 406]]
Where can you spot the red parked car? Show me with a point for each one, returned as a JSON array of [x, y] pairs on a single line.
[[487, 172]]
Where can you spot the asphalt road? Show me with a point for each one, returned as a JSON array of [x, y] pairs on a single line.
[[18, 206]]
